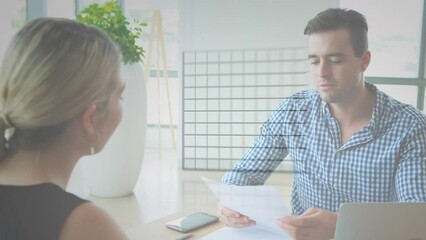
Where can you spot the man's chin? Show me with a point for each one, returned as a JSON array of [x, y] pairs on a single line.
[[328, 98]]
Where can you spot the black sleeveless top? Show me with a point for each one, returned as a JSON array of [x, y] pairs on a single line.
[[34, 212]]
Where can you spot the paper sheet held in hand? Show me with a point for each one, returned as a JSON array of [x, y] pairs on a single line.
[[262, 204]]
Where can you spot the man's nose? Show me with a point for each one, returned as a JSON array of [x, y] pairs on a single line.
[[323, 69]]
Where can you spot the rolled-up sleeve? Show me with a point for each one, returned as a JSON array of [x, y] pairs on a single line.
[[411, 173], [261, 159]]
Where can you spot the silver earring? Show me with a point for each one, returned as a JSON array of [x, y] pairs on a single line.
[[92, 150]]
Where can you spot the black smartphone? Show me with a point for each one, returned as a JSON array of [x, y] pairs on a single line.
[[192, 221]]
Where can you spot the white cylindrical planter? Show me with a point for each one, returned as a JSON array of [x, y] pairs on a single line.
[[114, 171]]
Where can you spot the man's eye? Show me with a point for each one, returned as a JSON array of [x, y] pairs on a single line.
[[313, 62], [335, 60]]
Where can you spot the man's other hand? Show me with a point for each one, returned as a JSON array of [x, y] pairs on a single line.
[[314, 224]]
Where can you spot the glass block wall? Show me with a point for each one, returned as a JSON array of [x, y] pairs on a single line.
[[228, 94]]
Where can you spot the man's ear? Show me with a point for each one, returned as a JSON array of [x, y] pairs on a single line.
[[88, 119], [365, 60]]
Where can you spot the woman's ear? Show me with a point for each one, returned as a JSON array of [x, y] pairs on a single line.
[[88, 119]]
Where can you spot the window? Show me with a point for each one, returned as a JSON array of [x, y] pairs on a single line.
[[395, 43], [65, 9], [394, 35], [159, 91], [12, 18]]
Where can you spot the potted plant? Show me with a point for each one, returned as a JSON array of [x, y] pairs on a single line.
[[109, 17], [115, 170]]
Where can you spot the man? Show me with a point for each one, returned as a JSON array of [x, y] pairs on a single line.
[[349, 142]]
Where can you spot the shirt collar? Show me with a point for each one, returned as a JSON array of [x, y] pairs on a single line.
[[378, 110]]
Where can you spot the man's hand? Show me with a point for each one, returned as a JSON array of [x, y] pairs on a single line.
[[232, 218], [315, 223]]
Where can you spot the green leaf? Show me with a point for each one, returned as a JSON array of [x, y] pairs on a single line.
[[110, 18]]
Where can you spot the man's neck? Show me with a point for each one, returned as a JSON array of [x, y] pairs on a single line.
[[354, 110], [353, 114]]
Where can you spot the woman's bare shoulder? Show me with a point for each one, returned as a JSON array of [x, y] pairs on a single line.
[[88, 221]]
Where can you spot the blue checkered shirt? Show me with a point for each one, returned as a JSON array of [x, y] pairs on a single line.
[[384, 161]]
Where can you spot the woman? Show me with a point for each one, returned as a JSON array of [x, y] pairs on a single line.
[[59, 101]]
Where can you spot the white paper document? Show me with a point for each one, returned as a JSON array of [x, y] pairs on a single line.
[[251, 233], [262, 204]]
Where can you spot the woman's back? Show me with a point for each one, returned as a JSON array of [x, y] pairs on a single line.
[[34, 212]]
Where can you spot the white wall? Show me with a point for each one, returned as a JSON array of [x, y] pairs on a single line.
[[227, 24]]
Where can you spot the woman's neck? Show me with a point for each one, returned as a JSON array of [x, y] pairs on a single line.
[[29, 167]]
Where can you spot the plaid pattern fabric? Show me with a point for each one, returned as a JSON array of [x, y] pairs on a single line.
[[384, 161]]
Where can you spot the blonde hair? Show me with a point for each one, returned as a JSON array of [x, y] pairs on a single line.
[[53, 69]]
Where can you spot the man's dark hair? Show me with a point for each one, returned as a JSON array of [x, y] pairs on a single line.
[[337, 18]]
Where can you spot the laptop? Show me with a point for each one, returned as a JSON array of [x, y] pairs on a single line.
[[381, 221]]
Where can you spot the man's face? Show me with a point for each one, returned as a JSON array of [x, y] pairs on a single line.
[[337, 72]]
